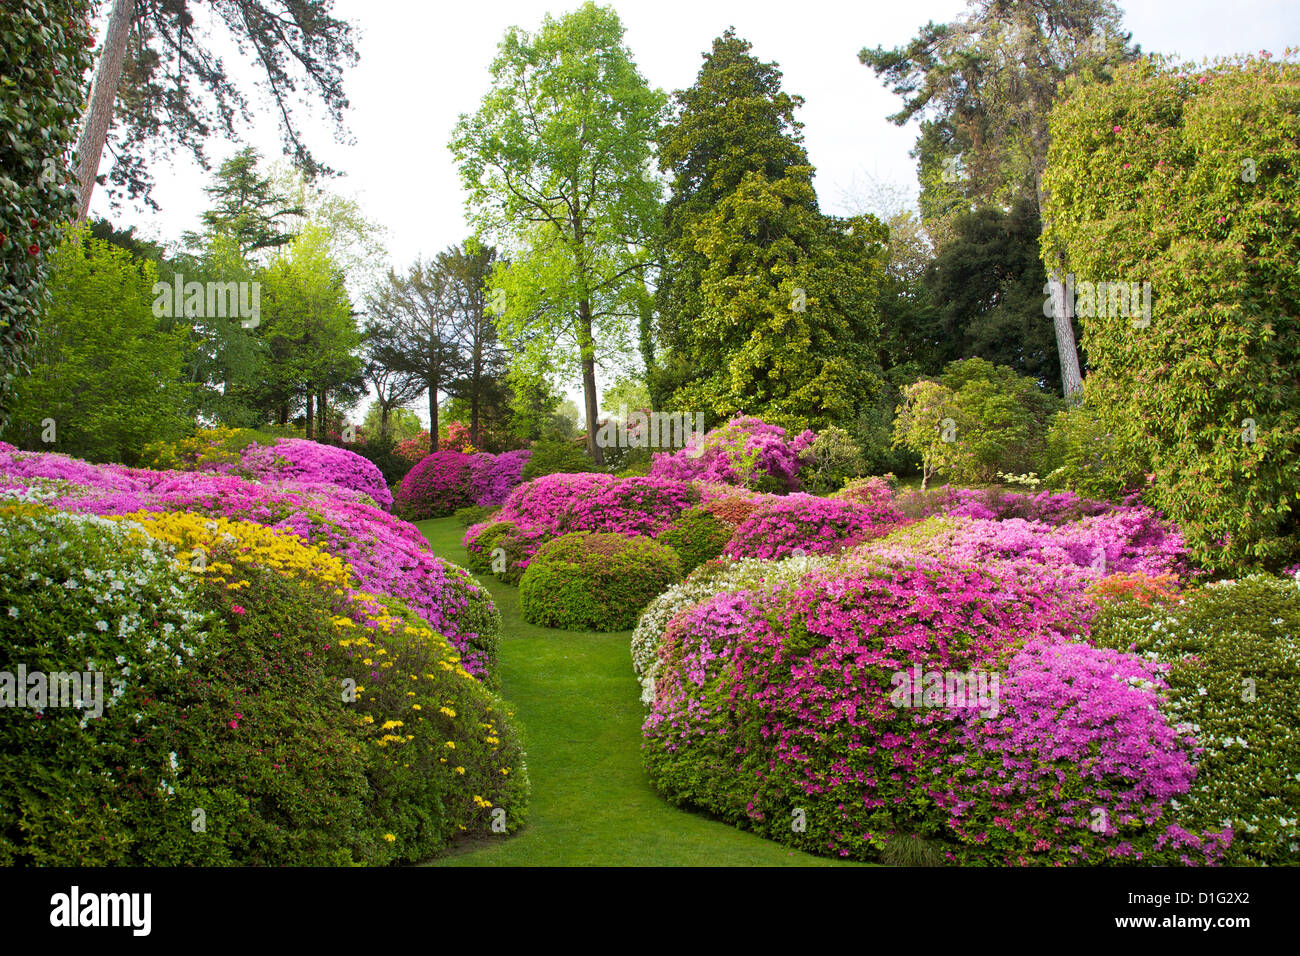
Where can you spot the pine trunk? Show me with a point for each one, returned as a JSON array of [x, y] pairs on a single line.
[[103, 94]]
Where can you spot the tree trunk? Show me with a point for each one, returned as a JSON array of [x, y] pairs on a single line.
[[103, 94], [589, 381], [322, 416], [1062, 313], [310, 419], [1062, 319], [433, 418], [383, 421]]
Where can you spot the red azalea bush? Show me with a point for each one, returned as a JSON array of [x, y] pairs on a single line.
[[800, 521], [746, 451], [435, 487]]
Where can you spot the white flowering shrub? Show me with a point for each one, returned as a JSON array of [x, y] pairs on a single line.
[[94, 620], [1232, 650]]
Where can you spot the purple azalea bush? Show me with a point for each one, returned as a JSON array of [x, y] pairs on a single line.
[[299, 459], [493, 477]]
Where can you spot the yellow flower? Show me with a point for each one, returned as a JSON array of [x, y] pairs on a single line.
[[451, 744], [389, 837], [460, 770], [448, 711]]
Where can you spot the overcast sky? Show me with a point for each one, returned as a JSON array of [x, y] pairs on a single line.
[[424, 62]]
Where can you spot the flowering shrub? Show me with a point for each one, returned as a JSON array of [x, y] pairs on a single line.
[[1078, 766], [995, 505], [1231, 654], [746, 451], [307, 461], [817, 525], [386, 555], [630, 506], [1082, 551], [248, 677], [774, 702], [218, 449], [598, 582], [730, 504], [545, 502], [493, 477], [706, 581], [413, 450], [435, 487], [697, 536]]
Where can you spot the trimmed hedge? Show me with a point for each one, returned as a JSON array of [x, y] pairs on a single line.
[[588, 581], [697, 536]]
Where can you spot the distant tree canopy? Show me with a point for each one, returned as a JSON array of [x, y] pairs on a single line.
[[767, 306]]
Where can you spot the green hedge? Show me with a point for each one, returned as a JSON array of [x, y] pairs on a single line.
[[697, 536], [595, 582]]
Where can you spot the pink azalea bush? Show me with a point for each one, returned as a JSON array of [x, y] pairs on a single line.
[[298, 459], [631, 506], [786, 697], [808, 523], [545, 502], [435, 487], [1078, 766], [746, 451]]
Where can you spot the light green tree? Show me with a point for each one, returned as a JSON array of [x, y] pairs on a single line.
[[107, 376], [557, 165]]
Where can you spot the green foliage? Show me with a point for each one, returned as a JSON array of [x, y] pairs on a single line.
[[480, 548], [598, 582], [986, 284], [833, 459], [1183, 177], [697, 536], [566, 193], [1234, 655], [104, 372], [44, 54], [556, 454], [768, 307], [1082, 455], [403, 424], [474, 514]]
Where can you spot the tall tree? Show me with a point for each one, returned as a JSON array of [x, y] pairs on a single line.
[[419, 336], [159, 87], [557, 165], [247, 207], [394, 388], [467, 269], [984, 85], [767, 305]]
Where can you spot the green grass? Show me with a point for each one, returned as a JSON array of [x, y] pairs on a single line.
[[577, 702]]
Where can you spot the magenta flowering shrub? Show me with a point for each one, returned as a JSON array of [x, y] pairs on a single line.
[[1131, 540], [493, 477], [1050, 507], [435, 487], [298, 459], [545, 502], [631, 506], [815, 525], [746, 451], [387, 555], [778, 699], [830, 700], [1078, 766]]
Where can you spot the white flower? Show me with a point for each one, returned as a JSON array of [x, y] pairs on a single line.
[[13, 612], [101, 625]]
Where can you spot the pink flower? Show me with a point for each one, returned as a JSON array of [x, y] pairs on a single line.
[[1117, 128], [237, 609]]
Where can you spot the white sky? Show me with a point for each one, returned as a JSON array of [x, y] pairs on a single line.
[[424, 62]]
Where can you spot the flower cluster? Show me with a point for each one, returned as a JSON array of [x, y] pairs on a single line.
[[746, 451], [805, 523], [446, 481], [311, 462]]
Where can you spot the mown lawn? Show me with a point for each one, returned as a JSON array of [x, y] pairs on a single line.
[[577, 702]]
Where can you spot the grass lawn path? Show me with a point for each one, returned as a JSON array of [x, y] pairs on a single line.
[[577, 703]]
